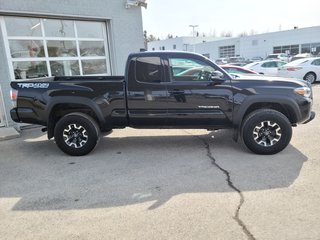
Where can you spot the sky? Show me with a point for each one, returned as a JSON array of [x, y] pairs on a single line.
[[163, 17]]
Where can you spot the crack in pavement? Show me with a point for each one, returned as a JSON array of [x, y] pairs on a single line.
[[236, 216]]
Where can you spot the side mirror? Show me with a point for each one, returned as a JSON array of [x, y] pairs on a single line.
[[217, 76]]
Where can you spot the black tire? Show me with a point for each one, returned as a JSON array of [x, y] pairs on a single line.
[[310, 77], [81, 129], [266, 131]]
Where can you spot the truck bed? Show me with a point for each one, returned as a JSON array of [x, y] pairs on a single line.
[[106, 95]]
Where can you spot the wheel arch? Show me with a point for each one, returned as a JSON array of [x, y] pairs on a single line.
[[60, 108], [283, 104]]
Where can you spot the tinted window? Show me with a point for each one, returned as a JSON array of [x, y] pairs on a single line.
[[280, 64], [269, 65], [148, 69], [316, 62]]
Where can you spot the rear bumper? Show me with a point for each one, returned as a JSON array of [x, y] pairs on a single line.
[[311, 117]]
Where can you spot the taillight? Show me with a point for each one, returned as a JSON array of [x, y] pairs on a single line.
[[14, 97], [292, 69]]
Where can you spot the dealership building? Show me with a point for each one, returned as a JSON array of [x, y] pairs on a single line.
[[52, 38], [292, 42]]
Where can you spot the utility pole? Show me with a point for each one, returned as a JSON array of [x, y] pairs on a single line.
[[193, 35]]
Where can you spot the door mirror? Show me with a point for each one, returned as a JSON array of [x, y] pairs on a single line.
[[217, 75]]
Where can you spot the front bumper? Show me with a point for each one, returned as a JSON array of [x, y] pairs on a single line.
[[311, 117]]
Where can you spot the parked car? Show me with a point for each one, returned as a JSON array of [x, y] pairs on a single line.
[[307, 69], [256, 59], [221, 61], [301, 55], [269, 67], [73, 110], [278, 56], [237, 70]]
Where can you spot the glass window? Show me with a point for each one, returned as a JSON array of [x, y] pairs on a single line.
[[269, 65], [23, 26], [305, 48], [280, 64], [194, 70], [277, 50], [92, 48], [87, 29], [148, 69], [67, 43], [316, 62], [62, 48], [58, 28], [91, 67], [227, 51], [26, 48], [64, 68], [27, 69]]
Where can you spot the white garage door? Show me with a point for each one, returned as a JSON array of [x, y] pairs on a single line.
[[39, 47]]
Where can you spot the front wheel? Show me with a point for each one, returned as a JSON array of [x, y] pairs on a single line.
[[76, 134], [266, 131]]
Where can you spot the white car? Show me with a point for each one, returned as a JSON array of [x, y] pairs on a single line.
[[269, 67], [307, 69], [278, 56]]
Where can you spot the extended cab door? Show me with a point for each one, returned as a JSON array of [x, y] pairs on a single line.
[[146, 91], [195, 98]]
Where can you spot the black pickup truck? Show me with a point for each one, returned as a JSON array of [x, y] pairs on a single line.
[[164, 90]]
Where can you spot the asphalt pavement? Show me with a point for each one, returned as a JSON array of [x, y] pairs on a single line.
[[161, 184]]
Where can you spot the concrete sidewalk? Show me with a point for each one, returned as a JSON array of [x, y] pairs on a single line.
[[7, 133]]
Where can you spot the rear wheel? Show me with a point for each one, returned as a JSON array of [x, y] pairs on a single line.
[[310, 77], [266, 131], [76, 134]]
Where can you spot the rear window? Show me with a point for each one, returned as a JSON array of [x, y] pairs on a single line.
[[148, 69]]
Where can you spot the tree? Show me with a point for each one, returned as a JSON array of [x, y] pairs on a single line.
[[150, 38], [226, 34], [243, 34]]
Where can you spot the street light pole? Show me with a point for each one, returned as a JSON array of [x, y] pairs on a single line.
[[193, 35]]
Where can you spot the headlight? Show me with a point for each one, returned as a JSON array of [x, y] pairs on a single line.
[[303, 91]]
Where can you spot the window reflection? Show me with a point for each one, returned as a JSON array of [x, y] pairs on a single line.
[[94, 67], [64, 68], [62, 48], [26, 48], [58, 28], [92, 48], [23, 26], [27, 69]]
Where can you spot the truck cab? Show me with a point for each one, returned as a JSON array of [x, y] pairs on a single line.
[[177, 89]]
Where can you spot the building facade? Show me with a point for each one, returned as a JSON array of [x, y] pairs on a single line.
[[53, 38], [292, 42]]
